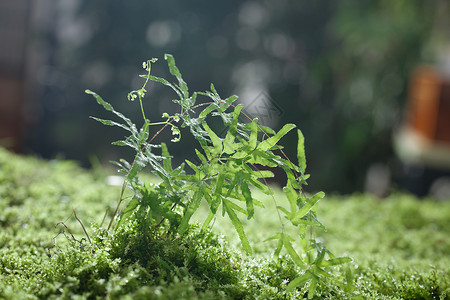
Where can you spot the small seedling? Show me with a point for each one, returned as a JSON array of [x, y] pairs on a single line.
[[227, 171]]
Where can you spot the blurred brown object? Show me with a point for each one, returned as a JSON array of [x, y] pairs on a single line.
[[11, 112], [429, 104], [423, 142]]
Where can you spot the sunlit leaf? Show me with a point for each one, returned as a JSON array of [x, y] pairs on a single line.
[[191, 209], [248, 199], [216, 141], [228, 142], [335, 261], [238, 226], [292, 253], [301, 151], [270, 142], [298, 281], [308, 204]]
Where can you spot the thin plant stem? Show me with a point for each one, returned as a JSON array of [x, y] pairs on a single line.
[[81, 223]]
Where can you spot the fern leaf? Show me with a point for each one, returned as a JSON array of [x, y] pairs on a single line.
[[219, 184], [109, 107], [208, 110], [248, 199], [176, 72], [238, 226], [335, 261], [298, 281], [166, 83], [270, 142], [253, 135], [228, 142], [285, 211], [216, 141], [291, 251], [208, 220], [292, 197], [191, 209], [111, 123], [308, 205], [301, 151], [312, 287], [167, 163]]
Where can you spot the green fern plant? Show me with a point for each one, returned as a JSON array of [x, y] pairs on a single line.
[[227, 171]]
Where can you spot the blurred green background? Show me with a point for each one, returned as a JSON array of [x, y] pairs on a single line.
[[337, 69]]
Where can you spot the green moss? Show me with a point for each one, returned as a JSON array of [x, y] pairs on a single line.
[[400, 246]]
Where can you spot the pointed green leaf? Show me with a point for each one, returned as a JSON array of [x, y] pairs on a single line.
[[238, 226], [100, 100], [109, 107], [219, 184], [176, 72], [260, 186], [136, 167], [286, 212], [335, 261], [274, 237], [318, 271], [236, 179], [308, 205], [111, 123], [193, 166], [207, 149], [213, 202], [349, 279], [292, 253], [298, 281], [312, 288], [119, 143], [166, 83], [305, 222], [279, 237], [236, 207], [191, 209], [266, 130], [208, 220], [201, 156], [292, 197], [178, 170], [228, 142], [311, 218], [172, 67], [301, 151], [167, 163], [263, 174], [208, 110], [277, 251], [212, 88], [231, 99], [302, 234], [270, 142], [216, 141], [291, 179], [320, 257], [248, 199], [253, 135]]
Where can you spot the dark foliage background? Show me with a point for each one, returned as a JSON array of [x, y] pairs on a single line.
[[337, 69]]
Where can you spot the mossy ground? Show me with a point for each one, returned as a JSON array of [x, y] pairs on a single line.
[[400, 245]]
